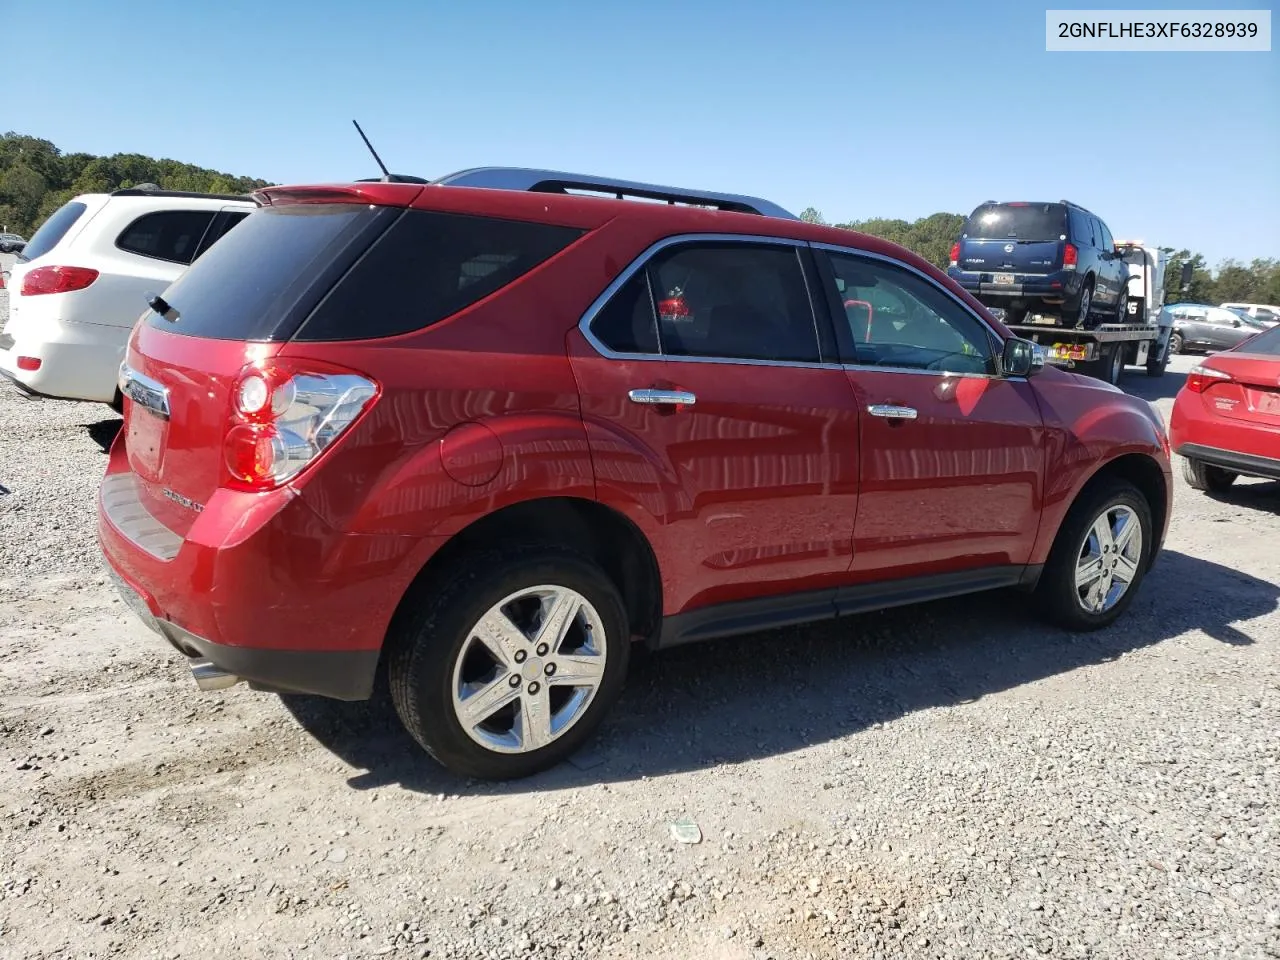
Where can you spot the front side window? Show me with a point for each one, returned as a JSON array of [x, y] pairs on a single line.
[[171, 235], [897, 318]]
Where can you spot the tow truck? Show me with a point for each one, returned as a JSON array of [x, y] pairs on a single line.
[[1105, 350]]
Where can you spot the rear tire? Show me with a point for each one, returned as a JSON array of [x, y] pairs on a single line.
[[1200, 476], [1066, 594], [1156, 368], [117, 403], [1084, 308], [438, 664]]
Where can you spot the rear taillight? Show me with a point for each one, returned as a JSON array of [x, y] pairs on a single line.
[[1070, 256], [955, 254], [282, 419], [56, 280], [1201, 378], [29, 363]]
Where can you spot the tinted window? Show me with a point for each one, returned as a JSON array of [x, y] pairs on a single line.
[[899, 319], [627, 324], [52, 230], [1004, 221], [1081, 229], [429, 266], [1266, 343], [1107, 242], [171, 235], [266, 274], [733, 300]]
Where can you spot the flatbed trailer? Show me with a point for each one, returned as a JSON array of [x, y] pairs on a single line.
[[1104, 351]]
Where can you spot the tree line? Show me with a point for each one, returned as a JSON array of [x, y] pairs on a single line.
[[36, 178], [931, 237]]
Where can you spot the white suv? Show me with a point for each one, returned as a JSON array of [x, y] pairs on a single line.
[[84, 277], [1264, 313]]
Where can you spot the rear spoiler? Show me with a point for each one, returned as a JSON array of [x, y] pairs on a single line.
[[371, 192]]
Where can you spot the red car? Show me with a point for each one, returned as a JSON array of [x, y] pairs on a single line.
[[445, 430], [1226, 418]]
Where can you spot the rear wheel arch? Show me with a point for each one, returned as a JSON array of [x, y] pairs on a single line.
[[598, 533]]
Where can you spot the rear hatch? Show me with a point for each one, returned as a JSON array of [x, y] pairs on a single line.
[[238, 304], [1014, 238], [56, 233], [1244, 383]]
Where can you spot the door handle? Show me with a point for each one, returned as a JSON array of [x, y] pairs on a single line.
[[678, 398], [891, 411]]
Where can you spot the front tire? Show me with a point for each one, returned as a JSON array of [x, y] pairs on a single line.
[[1200, 476], [1176, 343], [1099, 558], [507, 666]]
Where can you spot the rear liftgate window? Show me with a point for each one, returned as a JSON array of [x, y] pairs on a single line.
[[262, 278], [427, 267], [1035, 222]]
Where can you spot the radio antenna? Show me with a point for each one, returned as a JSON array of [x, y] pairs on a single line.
[[386, 174]]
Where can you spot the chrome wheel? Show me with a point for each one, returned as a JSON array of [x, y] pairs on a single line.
[[529, 669], [1107, 564]]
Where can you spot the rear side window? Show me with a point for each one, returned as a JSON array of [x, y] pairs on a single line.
[[627, 323], [735, 300], [1267, 344], [53, 230], [427, 267], [262, 277], [1009, 221], [171, 235]]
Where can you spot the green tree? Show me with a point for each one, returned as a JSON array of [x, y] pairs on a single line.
[[36, 178], [812, 215]]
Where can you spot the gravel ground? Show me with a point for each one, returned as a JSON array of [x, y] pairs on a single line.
[[949, 781]]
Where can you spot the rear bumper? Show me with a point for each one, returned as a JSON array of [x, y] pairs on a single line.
[[1248, 464], [339, 674], [259, 585], [1050, 287], [78, 361], [1240, 446]]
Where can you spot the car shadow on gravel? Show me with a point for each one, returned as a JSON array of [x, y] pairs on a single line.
[[103, 433], [741, 699], [1251, 495]]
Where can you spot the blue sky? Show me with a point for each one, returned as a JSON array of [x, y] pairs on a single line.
[[860, 109]]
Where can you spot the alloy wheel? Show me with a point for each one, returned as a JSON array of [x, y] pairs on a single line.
[[1107, 563], [529, 669]]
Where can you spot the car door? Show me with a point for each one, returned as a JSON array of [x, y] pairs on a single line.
[[718, 423], [952, 452], [1112, 266]]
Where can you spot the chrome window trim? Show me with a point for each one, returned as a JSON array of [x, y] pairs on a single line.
[[641, 261], [991, 332]]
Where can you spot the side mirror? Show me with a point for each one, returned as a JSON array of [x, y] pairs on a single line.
[[1022, 358], [1187, 270]]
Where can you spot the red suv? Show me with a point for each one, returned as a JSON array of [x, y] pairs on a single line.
[[489, 432]]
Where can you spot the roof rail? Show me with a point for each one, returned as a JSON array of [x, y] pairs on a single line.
[[556, 181], [147, 191]]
